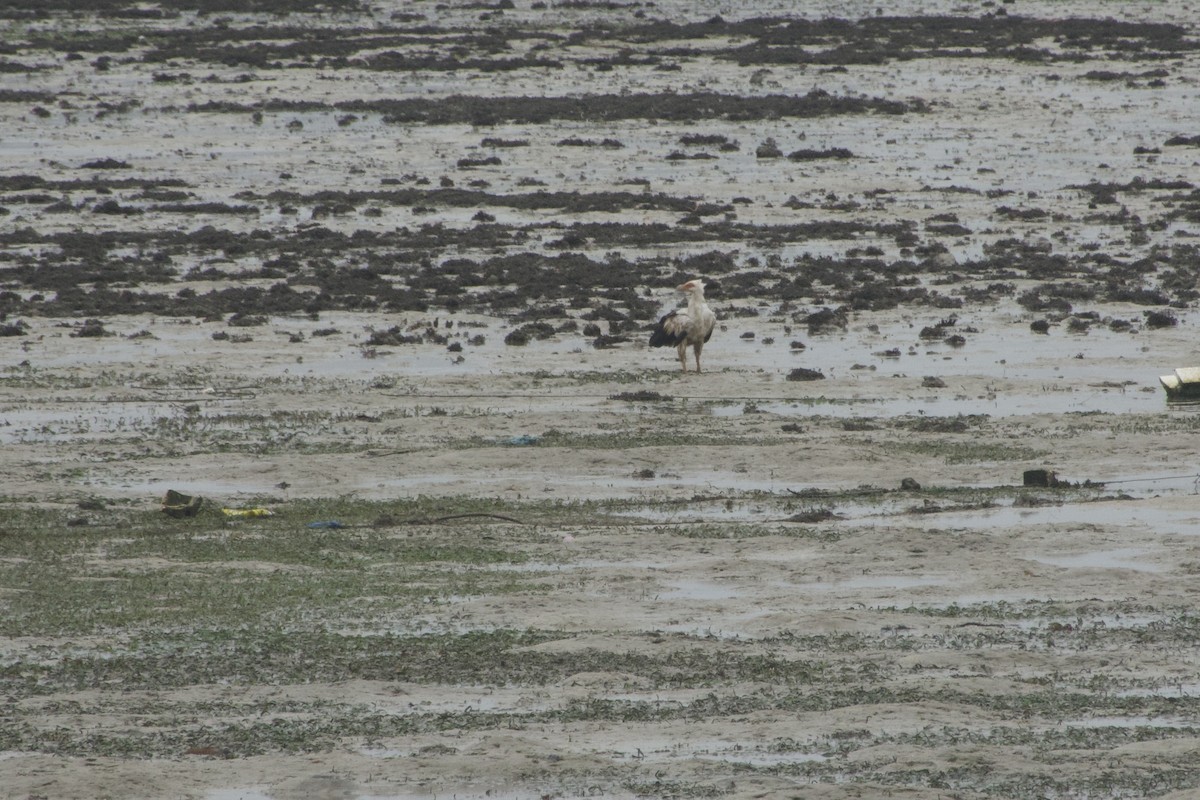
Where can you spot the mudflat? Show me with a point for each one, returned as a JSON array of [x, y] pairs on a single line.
[[375, 283]]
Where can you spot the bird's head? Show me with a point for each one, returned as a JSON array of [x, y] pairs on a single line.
[[693, 286]]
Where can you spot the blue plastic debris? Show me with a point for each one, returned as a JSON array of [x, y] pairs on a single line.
[[524, 440]]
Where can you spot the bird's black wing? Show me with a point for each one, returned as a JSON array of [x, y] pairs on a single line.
[[671, 329]]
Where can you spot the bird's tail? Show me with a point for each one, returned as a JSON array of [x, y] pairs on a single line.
[[660, 337]]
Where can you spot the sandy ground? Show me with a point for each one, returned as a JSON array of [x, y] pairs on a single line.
[[1038, 644], [1056, 592]]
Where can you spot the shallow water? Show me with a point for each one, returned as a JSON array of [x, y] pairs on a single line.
[[697, 589], [1000, 372], [1058, 399], [1120, 558], [1124, 514], [906, 509]]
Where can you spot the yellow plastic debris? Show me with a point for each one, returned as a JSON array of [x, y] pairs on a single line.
[[247, 512]]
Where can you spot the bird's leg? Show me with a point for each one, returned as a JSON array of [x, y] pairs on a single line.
[[698, 347], [683, 355]]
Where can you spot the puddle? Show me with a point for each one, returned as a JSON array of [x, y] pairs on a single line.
[[897, 509], [704, 482], [1122, 514], [699, 590], [567, 485], [1059, 402], [1142, 483], [1122, 558]]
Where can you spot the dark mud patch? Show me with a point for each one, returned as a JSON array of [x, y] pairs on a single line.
[[76, 274], [129, 242], [488, 111], [767, 40], [878, 40], [123, 9]]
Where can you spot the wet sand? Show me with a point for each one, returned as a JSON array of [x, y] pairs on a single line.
[[726, 589]]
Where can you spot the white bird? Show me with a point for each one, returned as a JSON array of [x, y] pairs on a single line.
[[693, 325]]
